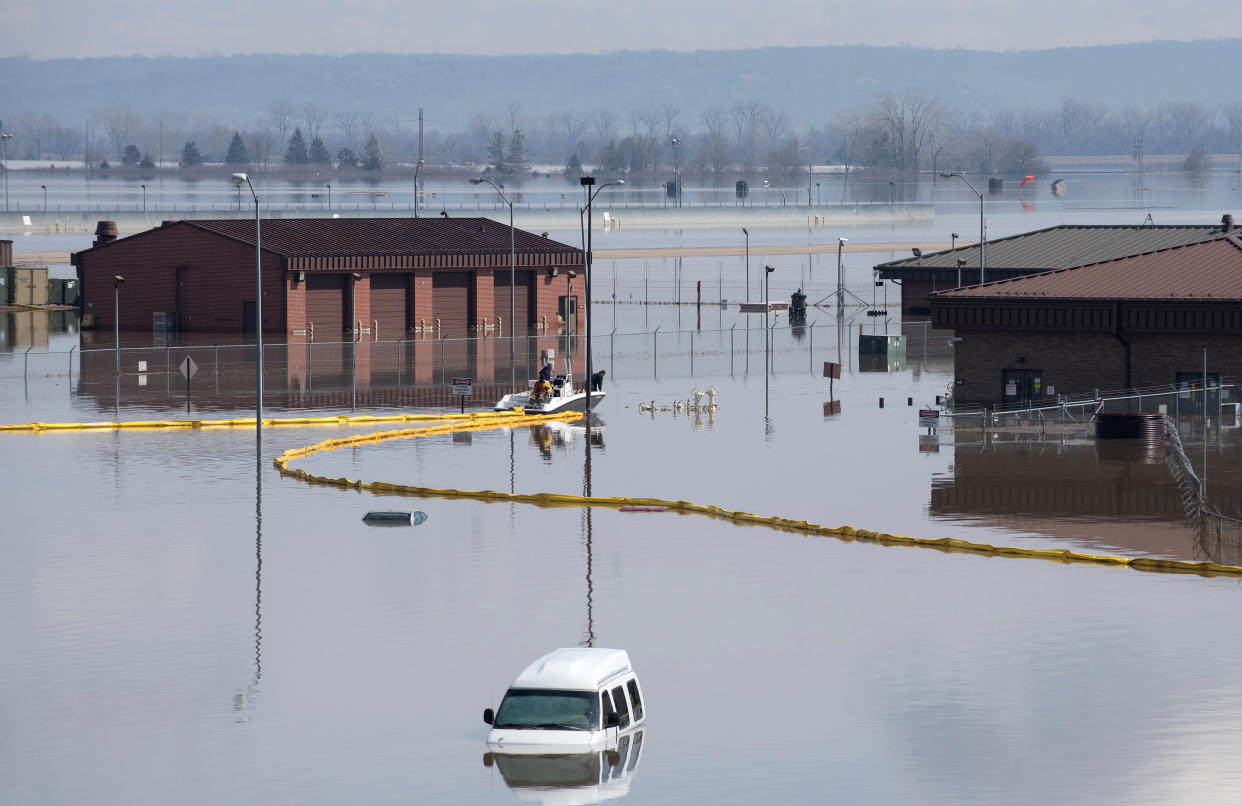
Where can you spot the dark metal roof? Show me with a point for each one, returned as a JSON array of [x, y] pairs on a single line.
[[365, 237], [1062, 247], [1208, 271], [344, 237]]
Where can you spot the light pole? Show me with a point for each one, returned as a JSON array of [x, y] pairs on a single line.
[[587, 183], [238, 179], [676, 175], [767, 334], [144, 197], [417, 165], [4, 142], [982, 263], [44, 198], [512, 266], [840, 284], [747, 234], [818, 199], [329, 187], [117, 282], [778, 187], [353, 339]]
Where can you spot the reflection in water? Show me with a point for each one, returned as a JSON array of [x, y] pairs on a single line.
[[588, 535], [571, 779], [1116, 494], [243, 699]]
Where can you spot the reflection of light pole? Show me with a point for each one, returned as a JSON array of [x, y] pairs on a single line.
[[840, 284], [587, 183], [144, 198], [512, 265], [747, 234], [238, 179], [329, 187], [117, 282], [417, 165], [962, 177]]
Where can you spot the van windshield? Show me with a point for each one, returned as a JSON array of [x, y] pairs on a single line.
[[548, 709]]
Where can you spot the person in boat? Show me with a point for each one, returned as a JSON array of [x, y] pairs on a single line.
[[541, 391], [545, 374], [597, 380]]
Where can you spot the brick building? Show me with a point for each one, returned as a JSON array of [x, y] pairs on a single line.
[[1050, 249], [323, 278], [1137, 321]]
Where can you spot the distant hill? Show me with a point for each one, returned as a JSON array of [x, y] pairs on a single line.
[[808, 84]]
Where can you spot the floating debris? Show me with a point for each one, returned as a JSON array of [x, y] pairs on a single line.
[[391, 518]]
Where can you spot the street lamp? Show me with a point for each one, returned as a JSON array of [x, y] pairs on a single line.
[[982, 263], [767, 334], [587, 183], [676, 174], [329, 187], [4, 143], [747, 234], [117, 282], [778, 187], [512, 264], [841, 242], [417, 165], [238, 179], [44, 198], [144, 198]]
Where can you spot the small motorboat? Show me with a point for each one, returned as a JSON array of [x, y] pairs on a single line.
[[554, 396]]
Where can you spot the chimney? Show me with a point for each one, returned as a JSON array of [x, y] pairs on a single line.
[[105, 233], [1226, 222]]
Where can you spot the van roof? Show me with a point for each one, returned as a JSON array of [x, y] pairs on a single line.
[[579, 668]]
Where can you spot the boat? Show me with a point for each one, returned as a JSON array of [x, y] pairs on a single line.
[[562, 397]]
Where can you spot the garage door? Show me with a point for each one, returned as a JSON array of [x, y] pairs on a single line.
[[521, 303], [451, 301], [388, 305], [325, 305]]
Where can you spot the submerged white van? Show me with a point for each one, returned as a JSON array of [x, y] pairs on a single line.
[[569, 701]]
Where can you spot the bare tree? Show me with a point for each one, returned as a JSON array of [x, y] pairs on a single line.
[[282, 116], [351, 125], [605, 123], [747, 121], [312, 116], [716, 142], [119, 122]]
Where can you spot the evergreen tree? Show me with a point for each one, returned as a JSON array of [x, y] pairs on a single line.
[[373, 160], [147, 161], [496, 153], [190, 155], [517, 153], [131, 155], [346, 158], [296, 154], [319, 152], [237, 151], [573, 166]]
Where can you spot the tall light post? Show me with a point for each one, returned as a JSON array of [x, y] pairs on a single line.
[[238, 179], [512, 268], [117, 282], [44, 198], [840, 284], [4, 142], [417, 165], [676, 173], [982, 262], [329, 187], [144, 197], [747, 234], [767, 335], [588, 182], [779, 188]]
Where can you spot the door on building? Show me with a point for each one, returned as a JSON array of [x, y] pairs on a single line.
[[521, 301], [452, 302], [1190, 393], [248, 315], [388, 306], [325, 306], [1022, 387]]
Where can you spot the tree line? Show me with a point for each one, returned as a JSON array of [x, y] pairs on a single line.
[[898, 133]]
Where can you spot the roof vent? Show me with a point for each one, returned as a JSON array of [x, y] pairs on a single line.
[[105, 233], [482, 228], [1226, 222]]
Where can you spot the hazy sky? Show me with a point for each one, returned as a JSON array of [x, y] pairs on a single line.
[[59, 28]]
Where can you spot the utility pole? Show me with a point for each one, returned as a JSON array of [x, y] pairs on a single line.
[[420, 134]]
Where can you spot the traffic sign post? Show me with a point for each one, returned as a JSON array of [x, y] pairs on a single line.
[[463, 387], [188, 368]]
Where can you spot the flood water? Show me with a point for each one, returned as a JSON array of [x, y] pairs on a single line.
[[183, 625]]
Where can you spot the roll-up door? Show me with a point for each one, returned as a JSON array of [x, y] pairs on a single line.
[[325, 305], [451, 305], [521, 302], [388, 305]]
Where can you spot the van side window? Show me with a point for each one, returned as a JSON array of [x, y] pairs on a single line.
[[605, 707], [618, 697], [636, 702]]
